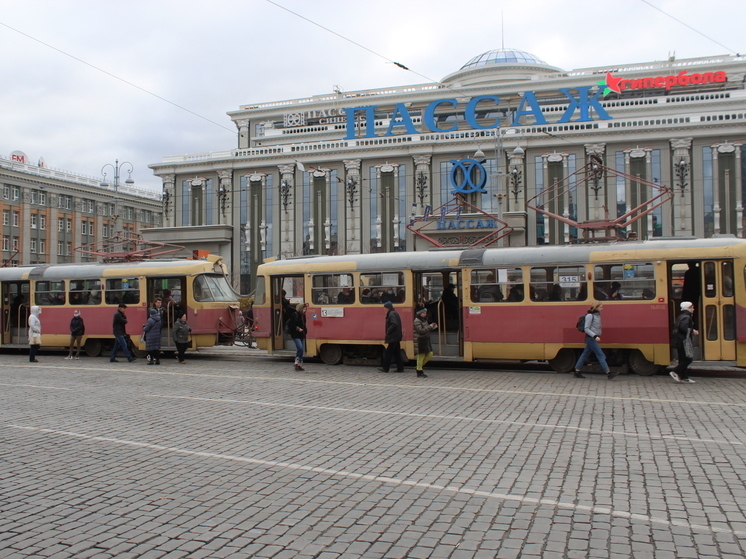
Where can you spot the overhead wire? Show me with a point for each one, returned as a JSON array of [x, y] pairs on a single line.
[[77, 59]]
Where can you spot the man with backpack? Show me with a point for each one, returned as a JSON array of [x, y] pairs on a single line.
[[592, 330]]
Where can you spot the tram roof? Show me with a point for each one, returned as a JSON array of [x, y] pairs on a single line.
[[670, 249], [91, 270]]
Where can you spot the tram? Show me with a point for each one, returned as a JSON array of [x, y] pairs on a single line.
[[515, 303], [196, 287]]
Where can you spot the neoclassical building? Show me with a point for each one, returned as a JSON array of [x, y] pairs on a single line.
[[378, 170], [48, 213]]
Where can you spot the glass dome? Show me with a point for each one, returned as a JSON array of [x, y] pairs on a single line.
[[503, 56]]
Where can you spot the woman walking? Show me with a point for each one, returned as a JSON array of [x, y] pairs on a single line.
[[181, 338], [152, 331], [682, 339], [77, 331], [297, 331], [34, 333], [424, 349], [592, 338]]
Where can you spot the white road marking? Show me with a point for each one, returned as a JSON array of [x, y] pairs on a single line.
[[394, 481]]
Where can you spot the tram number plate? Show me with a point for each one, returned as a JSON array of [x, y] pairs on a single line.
[[569, 281], [333, 312]]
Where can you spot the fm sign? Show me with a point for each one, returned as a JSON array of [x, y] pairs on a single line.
[[581, 103]]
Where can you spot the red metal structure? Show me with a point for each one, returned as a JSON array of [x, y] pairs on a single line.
[[126, 246], [595, 174]]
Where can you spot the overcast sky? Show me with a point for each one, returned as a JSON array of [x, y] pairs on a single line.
[[211, 56]]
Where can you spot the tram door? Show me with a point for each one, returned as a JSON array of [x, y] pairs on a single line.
[[287, 292], [441, 293], [717, 318], [172, 291], [15, 312]]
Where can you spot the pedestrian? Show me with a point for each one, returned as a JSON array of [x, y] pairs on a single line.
[[152, 332], [120, 335], [592, 338], [181, 337], [34, 333], [424, 349], [297, 330], [77, 331], [682, 340], [393, 339]]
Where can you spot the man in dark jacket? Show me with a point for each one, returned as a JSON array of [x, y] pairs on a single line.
[[393, 339], [120, 335]]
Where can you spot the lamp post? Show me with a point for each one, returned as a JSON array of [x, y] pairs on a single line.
[[129, 182]]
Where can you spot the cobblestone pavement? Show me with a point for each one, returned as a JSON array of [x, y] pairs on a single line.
[[237, 455]]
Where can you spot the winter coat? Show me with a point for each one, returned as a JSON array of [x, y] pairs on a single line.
[[393, 327], [297, 325], [152, 331], [683, 328], [34, 324], [120, 324], [422, 331], [181, 332], [77, 328]]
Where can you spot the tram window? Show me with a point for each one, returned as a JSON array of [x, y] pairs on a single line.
[[49, 293], [213, 288], [492, 285], [710, 286], [333, 289], [381, 287], [260, 291], [558, 283], [727, 270], [85, 292], [122, 290], [614, 282]]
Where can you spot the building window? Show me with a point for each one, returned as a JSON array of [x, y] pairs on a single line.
[[42, 222], [6, 243], [33, 245], [42, 246], [60, 224], [68, 249], [91, 207], [16, 219], [15, 243], [34, 196], [42, 198], [34, 221], [16, 193], [6, 192], [6, 217], [60, 248], [69, 224]]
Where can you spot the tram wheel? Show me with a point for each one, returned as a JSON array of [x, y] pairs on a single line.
[[331, 354], [93, 347], [640, 365], [564, 361]]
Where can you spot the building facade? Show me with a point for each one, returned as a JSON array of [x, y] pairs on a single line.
[[48, 213], [360, 171]]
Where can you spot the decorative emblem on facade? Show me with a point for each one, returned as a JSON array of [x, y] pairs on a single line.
[[294, 119], [467, 176]]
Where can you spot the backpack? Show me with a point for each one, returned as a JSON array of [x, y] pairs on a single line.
[[580, 324], [287, 326]]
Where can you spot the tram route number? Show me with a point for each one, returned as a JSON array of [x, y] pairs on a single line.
[[332, 312]]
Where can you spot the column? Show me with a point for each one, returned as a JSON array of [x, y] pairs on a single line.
[[595, 191], [243, 133], [681, 160], [287, 222], [353, 222], [516, 190], [225, 197], [169, 201]]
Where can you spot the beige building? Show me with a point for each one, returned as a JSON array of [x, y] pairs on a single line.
[[359, 171], [47, 212]]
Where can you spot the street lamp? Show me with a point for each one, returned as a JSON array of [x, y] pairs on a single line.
[[129, 182], [682, 171]]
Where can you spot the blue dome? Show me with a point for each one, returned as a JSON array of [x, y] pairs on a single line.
[[503, 56]]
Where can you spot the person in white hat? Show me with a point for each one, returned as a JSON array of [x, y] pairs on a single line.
[[682, 340]]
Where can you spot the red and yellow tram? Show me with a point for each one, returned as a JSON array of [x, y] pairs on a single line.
[[196, 287], [517, 303]]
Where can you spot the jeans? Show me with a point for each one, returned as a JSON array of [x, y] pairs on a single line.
[[299, 348], [120, 342], [684, 361], [591, 345]]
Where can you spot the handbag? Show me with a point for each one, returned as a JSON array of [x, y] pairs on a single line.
[[688, 348], [34, 340]]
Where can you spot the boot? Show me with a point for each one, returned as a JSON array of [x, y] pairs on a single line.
[[421, 374], [299, 366]]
